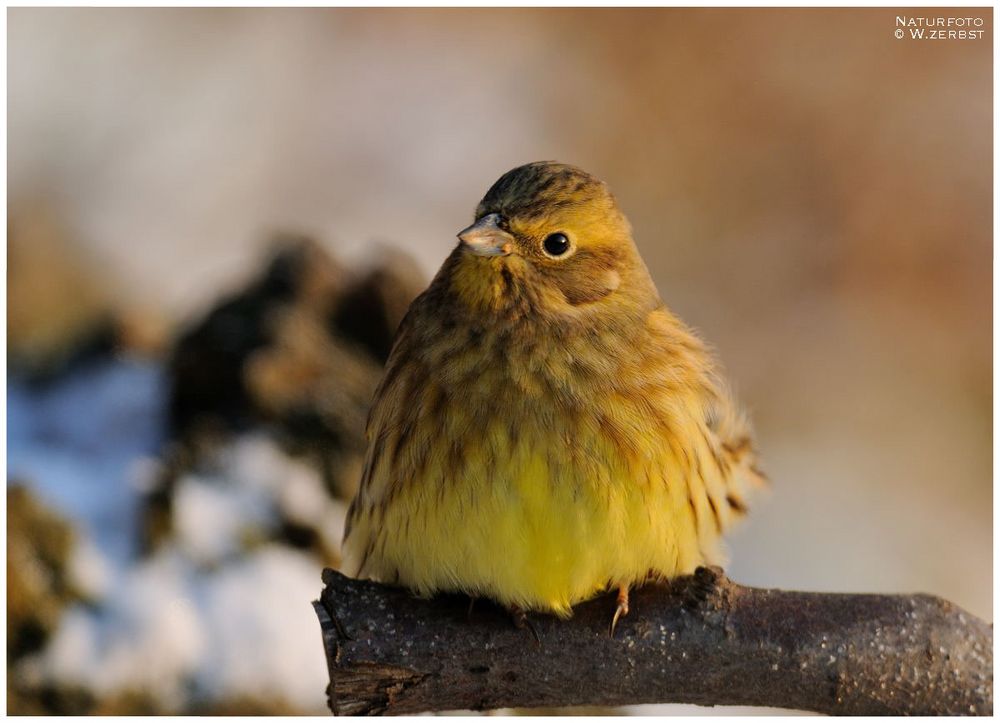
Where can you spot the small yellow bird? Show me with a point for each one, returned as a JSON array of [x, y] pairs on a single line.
[[546, 429]]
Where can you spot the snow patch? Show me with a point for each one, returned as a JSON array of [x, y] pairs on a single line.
[[270, 594], [203, 619], [88, 570], [173, 629]]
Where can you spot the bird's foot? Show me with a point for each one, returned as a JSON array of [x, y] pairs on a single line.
[[622, 609], [521, 622]]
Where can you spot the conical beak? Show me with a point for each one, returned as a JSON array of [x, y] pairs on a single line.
[[486, 238]]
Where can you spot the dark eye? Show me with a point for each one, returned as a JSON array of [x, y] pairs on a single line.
[[556, 244]]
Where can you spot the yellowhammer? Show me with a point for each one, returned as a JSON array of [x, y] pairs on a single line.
[[546, 429]]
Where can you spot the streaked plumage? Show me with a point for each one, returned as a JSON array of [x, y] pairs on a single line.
[[546, 428]]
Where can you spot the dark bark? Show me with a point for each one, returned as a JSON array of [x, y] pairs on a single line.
[[703, 640]]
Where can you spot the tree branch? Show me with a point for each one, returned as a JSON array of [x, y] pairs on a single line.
[[703, 639]]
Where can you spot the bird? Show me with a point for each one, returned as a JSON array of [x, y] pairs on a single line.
[[546, 429]]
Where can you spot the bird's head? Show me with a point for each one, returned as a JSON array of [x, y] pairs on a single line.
[[547, 237]]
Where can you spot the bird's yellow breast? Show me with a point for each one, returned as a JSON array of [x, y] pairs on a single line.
[[542, 509]]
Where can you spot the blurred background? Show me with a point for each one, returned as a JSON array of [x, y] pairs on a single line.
[[217, 218]]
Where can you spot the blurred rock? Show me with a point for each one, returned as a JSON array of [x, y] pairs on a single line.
[[317, 377], [39, 544], [372, 307], [208, 386], [61, 311], [247, 707], [57, 311], [298, 352], [51, 700], [300, 348], [316, 389]]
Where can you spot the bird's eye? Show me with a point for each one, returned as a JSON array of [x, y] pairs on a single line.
[[556, 244]]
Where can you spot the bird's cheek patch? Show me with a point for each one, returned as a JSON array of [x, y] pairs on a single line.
[[587, 288]]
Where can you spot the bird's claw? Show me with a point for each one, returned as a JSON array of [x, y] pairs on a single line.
[[521, 622], [621, 610]]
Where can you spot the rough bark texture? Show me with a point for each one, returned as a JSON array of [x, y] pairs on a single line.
[[703, 639]]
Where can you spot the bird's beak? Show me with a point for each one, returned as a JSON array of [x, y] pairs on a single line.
[[486, 238]]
